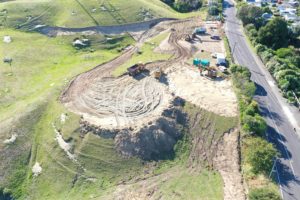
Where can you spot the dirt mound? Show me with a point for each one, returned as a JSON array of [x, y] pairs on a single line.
[[153, 141]]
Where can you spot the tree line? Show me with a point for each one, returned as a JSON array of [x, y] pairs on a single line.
[[277, 44]]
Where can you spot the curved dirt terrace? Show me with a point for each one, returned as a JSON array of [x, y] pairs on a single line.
[[121, 102], [107, 30]]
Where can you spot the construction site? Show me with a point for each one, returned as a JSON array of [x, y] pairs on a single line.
[[140, 96], [144, 109]]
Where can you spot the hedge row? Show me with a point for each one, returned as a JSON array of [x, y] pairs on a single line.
[[257, 151], [283, 64]]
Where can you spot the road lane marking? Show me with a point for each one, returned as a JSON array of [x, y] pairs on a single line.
[[281, 192], [276, 127], [289, 115], [271, 83]]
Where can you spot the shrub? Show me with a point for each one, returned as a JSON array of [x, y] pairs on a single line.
[[254, 124], [213, 10], [273, 64], [260, 48], [284, 52], [263, 194], [266, 56], [251, 109], [260, 155], [252, 33], [249, 27], [187, 5]]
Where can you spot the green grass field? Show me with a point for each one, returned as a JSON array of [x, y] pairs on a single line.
[[81, 13], [41, 64]]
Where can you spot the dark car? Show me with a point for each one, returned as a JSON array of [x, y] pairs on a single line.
[[215, 37]]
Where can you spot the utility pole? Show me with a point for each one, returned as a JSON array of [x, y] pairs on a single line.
[[297, 100], [273, 167]]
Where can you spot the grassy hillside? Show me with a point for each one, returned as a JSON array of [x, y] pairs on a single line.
[[80, 13], [41, 64]]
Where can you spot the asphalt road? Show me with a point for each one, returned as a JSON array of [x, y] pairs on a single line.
[[281, 117]]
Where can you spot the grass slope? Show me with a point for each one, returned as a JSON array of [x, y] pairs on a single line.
[[80, 13], [41, 64]]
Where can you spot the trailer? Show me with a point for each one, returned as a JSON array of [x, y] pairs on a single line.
[[136, 69]]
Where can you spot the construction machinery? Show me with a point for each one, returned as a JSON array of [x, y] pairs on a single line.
[[189, 38], [136, 69], [212, 72], [158, 73]]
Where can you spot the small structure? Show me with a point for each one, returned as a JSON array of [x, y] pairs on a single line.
[[7, 60], [221, 60], [7, 39], [267, 16], [200, 30], [201, 62]]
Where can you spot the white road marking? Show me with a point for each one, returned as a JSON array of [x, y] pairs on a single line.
[[271, 83], [276, 127], [289, 115], [279, 183]]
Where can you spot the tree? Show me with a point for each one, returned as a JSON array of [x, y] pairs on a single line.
[[260, 155], [250, 14], [284, 52], [254, 124], [187, 5], [274, 34], [263, 194]]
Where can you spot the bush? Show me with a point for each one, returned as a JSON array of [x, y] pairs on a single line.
[[251, 109], [260, 48], [213, 10], [241, 78], [254, 124], [252, 34], [263, 194], [249, 27], [273, 64], [260, 155], [284, 52], [266, 56], [187, 5]]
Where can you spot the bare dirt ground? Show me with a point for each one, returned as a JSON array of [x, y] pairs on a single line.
[[122, 102], [227, 163], [216, 96]]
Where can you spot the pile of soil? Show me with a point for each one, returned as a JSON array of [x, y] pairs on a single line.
[[154, 141]]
